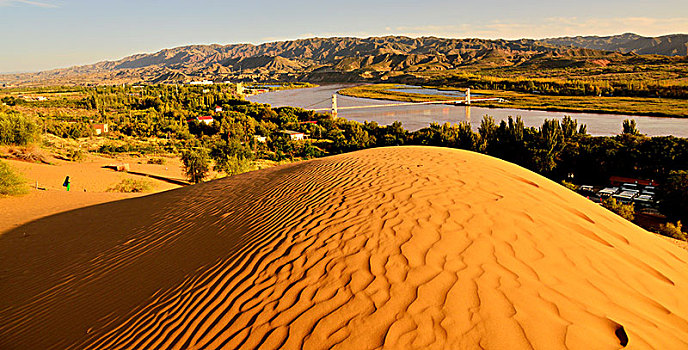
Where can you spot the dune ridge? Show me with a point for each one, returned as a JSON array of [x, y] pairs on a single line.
[[405, 247]]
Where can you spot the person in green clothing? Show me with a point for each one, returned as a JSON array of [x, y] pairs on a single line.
[[67, 183]]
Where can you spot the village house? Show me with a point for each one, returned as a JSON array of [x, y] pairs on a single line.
[[294, 135], [261, 139], [100, 129], [204, 119]]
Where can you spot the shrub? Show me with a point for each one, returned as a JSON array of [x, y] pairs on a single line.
[[156, 161], [75, 155], [236, 165], [28, 154], [129, 185], [111, 148], [673, 231], [569, 185], [626, 211], [10, 182]]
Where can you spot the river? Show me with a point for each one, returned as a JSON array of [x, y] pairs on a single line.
[[420, 116]]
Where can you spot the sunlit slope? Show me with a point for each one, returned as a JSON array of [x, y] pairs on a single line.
[[407, 247]]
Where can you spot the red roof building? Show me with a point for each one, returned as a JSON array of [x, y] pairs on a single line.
[[618, 180], [204, 119]]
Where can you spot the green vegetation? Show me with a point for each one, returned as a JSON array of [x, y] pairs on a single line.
[[674, 231], [674, 194], [231, 156], [16, 129], [11, 183], [571, 186], [128, 185], [282, 86], [629, 127], [626, 211], [196, 164], [587, 83], [661, 107]]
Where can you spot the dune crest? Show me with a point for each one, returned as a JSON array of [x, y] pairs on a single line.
[[406, 247]]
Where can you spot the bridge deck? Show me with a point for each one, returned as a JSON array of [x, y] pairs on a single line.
[[413, 103]]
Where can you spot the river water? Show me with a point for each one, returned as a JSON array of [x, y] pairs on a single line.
[[417, 117]]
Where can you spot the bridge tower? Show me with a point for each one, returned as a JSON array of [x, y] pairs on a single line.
[[468, 96], [334, 106], [240, 89]]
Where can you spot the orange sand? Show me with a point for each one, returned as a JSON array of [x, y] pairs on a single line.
[[410, 247], [88, 175]]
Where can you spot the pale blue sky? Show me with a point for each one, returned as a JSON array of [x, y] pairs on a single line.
[[44, 34]]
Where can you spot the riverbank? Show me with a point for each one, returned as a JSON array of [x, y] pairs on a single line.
[[656, 107], [269, 87]]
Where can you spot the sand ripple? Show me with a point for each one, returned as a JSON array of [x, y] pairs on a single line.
[[411, 247]]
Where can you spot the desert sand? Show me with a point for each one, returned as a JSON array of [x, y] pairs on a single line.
[[406, 247], [90, 184]]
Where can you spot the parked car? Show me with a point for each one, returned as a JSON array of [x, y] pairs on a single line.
[[607, 192], [626, 196], [644, 200]]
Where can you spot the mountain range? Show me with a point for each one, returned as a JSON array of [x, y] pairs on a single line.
[[354, 59], [668, 45]]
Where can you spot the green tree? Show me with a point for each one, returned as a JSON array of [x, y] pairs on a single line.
[[231, 156], [487, 131], [550, 145], [16, 129], [568, 127], [196, 164], [630, 128], [673, 195], [464, 137]]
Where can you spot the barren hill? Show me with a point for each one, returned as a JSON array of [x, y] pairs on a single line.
[[315, 59], [407, 247], [668, 45]]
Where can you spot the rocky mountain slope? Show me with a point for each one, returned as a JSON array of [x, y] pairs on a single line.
[[668, 45], [343, 59]]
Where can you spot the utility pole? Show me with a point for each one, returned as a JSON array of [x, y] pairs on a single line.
[[468, 96], [334, 106]]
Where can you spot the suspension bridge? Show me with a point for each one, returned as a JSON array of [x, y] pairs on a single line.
[[466, 102]]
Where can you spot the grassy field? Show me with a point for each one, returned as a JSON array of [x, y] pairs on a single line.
[[660, 107]]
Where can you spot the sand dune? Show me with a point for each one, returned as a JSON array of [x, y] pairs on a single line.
[[410, 247]]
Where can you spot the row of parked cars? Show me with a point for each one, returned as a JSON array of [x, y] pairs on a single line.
[[641, 196]]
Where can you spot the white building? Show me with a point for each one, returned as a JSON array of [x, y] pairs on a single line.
[[261, 139], [294, 135]]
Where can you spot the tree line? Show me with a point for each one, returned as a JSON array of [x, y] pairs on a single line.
[[570, 87]]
